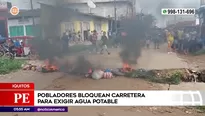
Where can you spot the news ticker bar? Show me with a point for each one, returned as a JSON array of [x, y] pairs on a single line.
[[23, 94], [33, 109]]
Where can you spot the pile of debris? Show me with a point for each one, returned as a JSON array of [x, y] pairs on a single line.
[[108, 73], [47, 67], [173, 76], [99, 74], [195, 75]]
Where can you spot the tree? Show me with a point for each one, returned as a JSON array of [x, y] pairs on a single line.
[[150, 20]]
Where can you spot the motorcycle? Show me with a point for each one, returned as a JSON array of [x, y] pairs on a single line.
[[4, 51], [1, 53]]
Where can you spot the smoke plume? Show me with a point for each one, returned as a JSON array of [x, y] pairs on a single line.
[[136, 29], [49, 44]]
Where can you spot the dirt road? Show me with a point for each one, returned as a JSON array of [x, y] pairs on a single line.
[[150, 59]]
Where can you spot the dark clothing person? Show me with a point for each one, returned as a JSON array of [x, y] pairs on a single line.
[[70, 35], [156, 42], [94, 41], [85, 34], [185, 45], [193, 46], [11, 46], [104, 43], [104, 40], [65, 41], [94, 38]]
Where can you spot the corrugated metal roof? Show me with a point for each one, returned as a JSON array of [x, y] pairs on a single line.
[[97, 1], [65, 9], [37, 13]]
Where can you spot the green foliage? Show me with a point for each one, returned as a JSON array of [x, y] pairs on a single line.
[[150, 19], [200, 52], [141, 74], [201, 108], [174, 78], [8, 65]]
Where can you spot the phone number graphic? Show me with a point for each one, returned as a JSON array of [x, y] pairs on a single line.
[[178, 11]]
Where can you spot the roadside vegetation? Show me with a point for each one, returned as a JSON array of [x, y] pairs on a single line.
[[201, 108], [8, 65], [174, 78], [200, 52]]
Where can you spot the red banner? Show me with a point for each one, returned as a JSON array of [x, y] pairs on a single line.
[[16, 94], [16, 86]]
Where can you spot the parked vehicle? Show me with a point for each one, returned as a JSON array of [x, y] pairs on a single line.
[[26, 47], [4, 51]]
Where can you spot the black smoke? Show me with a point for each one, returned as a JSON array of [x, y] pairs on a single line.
[[136, 29], [48, 43]]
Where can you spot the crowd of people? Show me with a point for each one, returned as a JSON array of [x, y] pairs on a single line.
[[182, 41], [91, 36], [179, 40]]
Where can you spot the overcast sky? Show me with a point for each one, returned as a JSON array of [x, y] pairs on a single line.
[[154, 7]]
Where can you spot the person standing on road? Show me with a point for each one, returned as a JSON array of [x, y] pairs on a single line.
[[109, 34], [94, 40], [176, 42], [147, 42], [170, 40], [156, 41], [65, 42], [70, 35], [104, 40], [180, 40]]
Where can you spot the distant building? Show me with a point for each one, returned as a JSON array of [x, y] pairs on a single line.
[[105, 8], [79, 22], [22, 24]]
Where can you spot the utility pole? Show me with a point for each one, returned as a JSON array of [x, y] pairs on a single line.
[[133, 7], [175, 19], [115, 15], [31, 3]]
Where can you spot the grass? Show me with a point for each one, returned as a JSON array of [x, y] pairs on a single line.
[[201, 108], [8, 65], [200, 52], [174, 78]]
